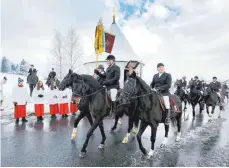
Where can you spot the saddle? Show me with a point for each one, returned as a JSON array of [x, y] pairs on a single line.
[[172, 102]]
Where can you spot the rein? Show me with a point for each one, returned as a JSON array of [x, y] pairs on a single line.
[[91, 93]]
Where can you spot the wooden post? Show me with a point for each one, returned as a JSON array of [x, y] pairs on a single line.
[[97, 57]]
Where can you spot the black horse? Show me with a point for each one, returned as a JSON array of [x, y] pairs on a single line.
[[85, 86], [224, 93], [151, 113], [83, 103], [211, 99], [195, 98], [182, 95], [130, 109]]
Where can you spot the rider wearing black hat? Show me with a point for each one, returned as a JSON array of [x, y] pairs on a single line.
[[198, 84], [216, 86], [162, 82], [112, 73], [101, 74]]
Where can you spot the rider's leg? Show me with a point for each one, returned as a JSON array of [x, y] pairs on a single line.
[[219, 97], [167, 106]]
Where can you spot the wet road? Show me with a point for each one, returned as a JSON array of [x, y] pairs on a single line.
[[203, 143]]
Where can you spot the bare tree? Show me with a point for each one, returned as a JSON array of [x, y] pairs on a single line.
[[73, 49], [57, 53]]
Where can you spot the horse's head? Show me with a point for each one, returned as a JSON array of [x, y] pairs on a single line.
[[129, 90], [68, 80], [85, 85]]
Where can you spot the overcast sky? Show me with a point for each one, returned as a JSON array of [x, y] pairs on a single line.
[[191, 37]]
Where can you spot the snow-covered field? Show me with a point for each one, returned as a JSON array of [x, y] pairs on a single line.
[[12, 81]]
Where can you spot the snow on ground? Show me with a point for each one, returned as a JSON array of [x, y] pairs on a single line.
[[12, 81]]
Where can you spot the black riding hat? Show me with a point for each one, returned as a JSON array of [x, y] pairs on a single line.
[[110, 57], [160, 64], [196, 77], [100, 67], [214, 77]]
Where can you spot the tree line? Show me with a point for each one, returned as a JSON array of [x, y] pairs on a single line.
[[8, 66], [66, 52]]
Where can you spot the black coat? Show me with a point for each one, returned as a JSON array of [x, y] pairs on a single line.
[[198, 85], [112, 77], [215, 86], [101, 77], [164, 83], [52, 74], [32, 71], [183, 84]]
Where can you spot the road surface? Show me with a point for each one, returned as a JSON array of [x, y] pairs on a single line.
[[203, 143]]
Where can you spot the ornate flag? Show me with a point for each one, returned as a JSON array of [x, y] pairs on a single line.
[[109, 40]]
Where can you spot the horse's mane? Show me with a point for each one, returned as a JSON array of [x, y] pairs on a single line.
[[143, 85], [91, 81]]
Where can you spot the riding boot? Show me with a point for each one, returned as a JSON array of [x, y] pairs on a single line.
[[167, 119]]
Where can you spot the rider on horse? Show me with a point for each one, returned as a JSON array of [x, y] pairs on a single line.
[[162, 83], [216, 86], [51, 77], [198, 85], [101, 74], [112, 78]]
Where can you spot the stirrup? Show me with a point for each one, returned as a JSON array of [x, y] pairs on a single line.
[[74, 133]]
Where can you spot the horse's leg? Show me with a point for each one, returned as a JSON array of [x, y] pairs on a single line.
[[142, 128], [193, 110], [77, 120], [185, 104], [201, 107], [116, 123], [89, 117], [153, 139], [207, 108], [166, 136], [89, 133], [130, 126], [101, 145], [136, 123], [178, 118], [213, 109], [186, 112]]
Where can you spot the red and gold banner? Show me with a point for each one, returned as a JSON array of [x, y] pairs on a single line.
[[109, 41]]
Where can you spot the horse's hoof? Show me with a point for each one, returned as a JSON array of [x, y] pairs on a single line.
[[150, 154], [125, 140], [209, 115], [219, 116], [119, 122], [101, 146], [162, 145], [164, 142], [178, 137], [74, 133], [134, 131], [82, 154]]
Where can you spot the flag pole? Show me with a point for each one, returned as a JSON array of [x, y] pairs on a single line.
[[97, 56]]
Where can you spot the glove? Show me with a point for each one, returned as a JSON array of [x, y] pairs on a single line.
[[158, 89], [55, 97], [40, 95], [64, 97], [96, 71], [15, 104]]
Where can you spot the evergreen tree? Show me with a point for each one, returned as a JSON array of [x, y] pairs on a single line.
[[5, 65]]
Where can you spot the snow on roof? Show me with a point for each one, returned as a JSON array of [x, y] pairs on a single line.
[[122, 50]]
